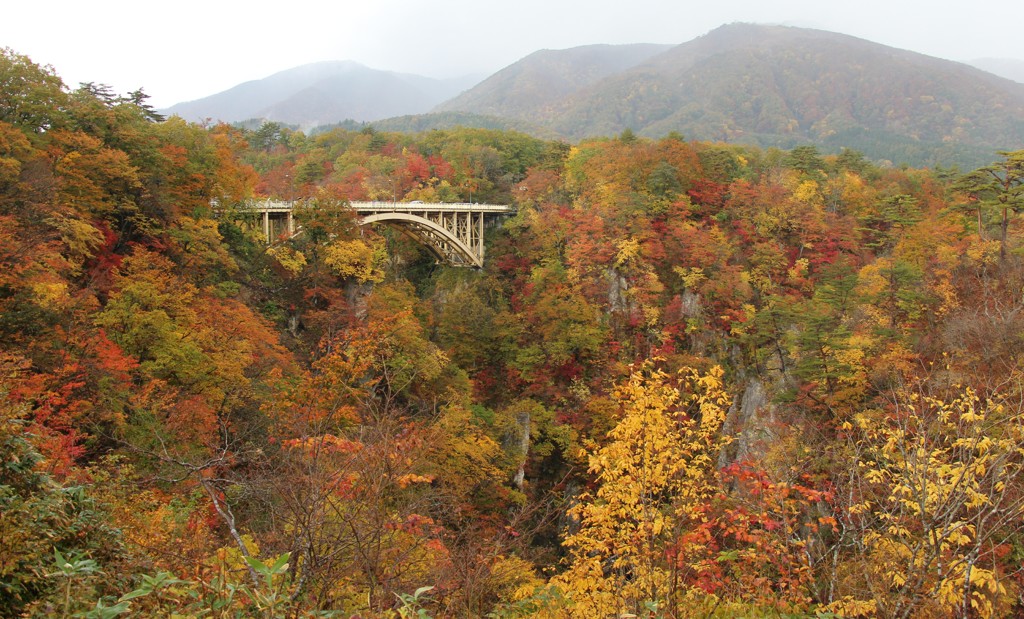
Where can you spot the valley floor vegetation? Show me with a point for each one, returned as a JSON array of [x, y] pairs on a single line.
[[693, 379]]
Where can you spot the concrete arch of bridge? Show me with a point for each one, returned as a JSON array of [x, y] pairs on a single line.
[[407, 220]]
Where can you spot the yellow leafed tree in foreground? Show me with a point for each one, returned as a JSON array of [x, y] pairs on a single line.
[[653, 474], [936, 500]]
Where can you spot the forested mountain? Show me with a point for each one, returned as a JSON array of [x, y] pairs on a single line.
[[323, 93], [416, 123], [693, 379], [742, 83], [782, 86], [527, 90]]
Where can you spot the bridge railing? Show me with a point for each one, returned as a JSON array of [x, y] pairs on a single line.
[[282, 206], [267, 204], [431, 206]]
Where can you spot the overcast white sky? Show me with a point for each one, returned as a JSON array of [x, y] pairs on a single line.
[[189, 49]]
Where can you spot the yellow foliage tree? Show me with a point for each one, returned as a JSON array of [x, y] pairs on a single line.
[[356, 259], [936, 498], [652, 477], [291, 260]]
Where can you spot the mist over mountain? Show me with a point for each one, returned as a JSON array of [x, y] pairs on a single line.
[[783, 86], [1010, 68], [323, 93], [529, 88], [743, 83]]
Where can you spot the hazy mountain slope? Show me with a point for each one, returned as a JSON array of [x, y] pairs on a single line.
[[530, 87], [1010, 68], [767, 85], [321, 93], [778, 85], [447, 120], [419, 123]]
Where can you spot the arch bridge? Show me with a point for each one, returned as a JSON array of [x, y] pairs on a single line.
[[454, 233]]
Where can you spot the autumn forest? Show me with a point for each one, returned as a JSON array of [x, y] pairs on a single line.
[[693, 379]]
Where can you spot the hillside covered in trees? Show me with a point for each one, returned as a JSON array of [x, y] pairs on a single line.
[[751, 84], [773, 86], [694, 379]]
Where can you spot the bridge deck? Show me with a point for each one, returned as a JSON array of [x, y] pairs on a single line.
[[410, 207], [281, 206]]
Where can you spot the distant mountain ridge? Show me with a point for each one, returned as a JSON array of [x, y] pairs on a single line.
[[783, 86], [743, 83], [543, 78], [324, 93]]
